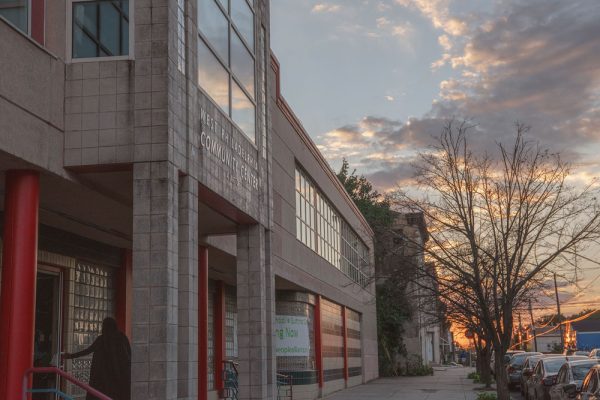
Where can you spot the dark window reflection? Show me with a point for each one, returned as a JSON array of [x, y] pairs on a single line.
[[100, 28]]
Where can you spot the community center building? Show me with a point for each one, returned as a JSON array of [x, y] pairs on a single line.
[[151, 171]]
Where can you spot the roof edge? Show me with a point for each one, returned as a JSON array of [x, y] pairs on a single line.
[[297, 125]]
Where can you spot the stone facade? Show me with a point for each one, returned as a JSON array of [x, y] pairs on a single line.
[[135, 157]]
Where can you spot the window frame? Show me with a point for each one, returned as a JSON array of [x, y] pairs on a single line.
[[232, 28], [69, 35], [318, 195]]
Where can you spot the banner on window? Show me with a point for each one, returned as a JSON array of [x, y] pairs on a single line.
[[291, 336]]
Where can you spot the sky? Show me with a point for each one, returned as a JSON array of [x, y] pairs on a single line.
[[374, 80]]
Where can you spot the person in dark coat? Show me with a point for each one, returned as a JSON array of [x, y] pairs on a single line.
[[110, 373]]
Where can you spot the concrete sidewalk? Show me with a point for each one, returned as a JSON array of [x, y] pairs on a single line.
[[445, 384]]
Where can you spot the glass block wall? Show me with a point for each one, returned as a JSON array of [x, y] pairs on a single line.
[[333, 340], [302, 369], [93, 300], [231, 344], [354, 344]]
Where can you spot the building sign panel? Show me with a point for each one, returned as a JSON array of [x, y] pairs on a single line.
[[230, 150], [292, 336]]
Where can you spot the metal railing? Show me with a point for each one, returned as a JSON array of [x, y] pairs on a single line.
[[285, 387], [230, 380], [53, 370]]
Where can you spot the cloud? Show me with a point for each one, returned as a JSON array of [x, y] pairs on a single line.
[[325, 8], [535, 61], [438, 12]]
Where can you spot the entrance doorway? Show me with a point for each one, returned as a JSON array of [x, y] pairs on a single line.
[[48, 323], [429, 348]]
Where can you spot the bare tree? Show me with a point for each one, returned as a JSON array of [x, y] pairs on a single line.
[[498, 224]]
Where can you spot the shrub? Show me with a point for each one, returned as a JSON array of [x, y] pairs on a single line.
[[486, 396], [421, 370], [473, 375]]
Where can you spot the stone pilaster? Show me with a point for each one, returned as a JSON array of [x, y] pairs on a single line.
[[187, 345], [253, 327], [155, 281]]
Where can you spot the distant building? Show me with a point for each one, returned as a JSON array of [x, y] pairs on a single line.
[[422, 334], [583, 335], [547, 339]]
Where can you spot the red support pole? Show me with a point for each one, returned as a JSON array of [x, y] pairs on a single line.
[[123, 309], [38, 17], [318, 341], [202, 323], [345, 336], [19, 268], [219, 337]]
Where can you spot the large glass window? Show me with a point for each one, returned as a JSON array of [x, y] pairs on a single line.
[[320, 227], [226, 45], [213, 76], [100, 28], [16, 12], [305, 210]]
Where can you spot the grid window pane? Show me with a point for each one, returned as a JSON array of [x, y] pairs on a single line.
[[214, 26], [320, 227], [242, 63], [215, 23], [243, 111], [16, 12], [243, 18], [100, 28], [212, 76]]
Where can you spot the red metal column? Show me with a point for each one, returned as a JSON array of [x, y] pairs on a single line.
[[38, 17], [123, 296], [345, 336], [19, 267], [202, 323], [219, 337], [318, 341]]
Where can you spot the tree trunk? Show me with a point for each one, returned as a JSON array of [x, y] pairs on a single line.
[[485, 374], [501, 381]]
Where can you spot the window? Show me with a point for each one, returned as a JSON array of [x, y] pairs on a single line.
[[100, 28], [181, 36], [17, 13], [226, 59], [320, 227], [305, 210]]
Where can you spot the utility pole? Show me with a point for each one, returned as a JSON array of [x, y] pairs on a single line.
[[533, 326], [562, 339]]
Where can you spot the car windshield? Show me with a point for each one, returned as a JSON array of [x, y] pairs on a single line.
[[580, 370], [552, 365]]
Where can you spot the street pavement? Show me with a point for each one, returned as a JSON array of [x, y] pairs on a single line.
[[445, 384]]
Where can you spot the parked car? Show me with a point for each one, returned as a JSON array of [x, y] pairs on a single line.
[[528, 367], [544, 376], [575, 352], [590, 389], [595, 354], [571, 373], [507, 356], [514, 368]]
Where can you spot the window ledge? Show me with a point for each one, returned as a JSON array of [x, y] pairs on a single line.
[[98, 59]]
